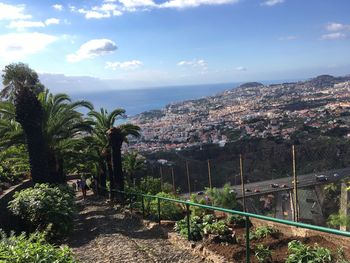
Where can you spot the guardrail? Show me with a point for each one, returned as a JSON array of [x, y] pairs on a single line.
[[229, 211]]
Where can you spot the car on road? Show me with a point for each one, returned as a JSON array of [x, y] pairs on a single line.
[[284, 186], [335, 175], [321, 178], [256, 191], [274, 185], [248, 190], [200, 193]]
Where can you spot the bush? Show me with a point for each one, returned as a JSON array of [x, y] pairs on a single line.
[[168, 210], [22, 249], [45, 206], [225, 197], [262, 232], [236, 220], [195, 210], [263, 254], [303, 253], [196, 228], [217, 228], [151, 185]]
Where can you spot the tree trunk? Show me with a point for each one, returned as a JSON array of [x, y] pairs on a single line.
[[111, 176], [102, 179], [116, 140], [29, 114]]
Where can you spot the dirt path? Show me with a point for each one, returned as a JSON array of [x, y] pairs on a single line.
[[102, 234]]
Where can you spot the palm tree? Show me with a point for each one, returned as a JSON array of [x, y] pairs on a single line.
[[21, 85], [62, 129], [116, 136], [102, 122], [133, 162]]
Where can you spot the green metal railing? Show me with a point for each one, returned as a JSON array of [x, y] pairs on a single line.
[[246, 215]]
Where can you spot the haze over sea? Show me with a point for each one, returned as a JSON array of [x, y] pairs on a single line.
[[135, 101]]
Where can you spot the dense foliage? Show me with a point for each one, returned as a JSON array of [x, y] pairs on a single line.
[[22, 249], [168, 210], [224, 197], [45, 207], [263, 254], [299, 252]]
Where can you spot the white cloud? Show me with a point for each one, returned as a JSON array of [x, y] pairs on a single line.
[[337, 27], [194, 3], [287, 38], [241, 68], [126, 65], [91, 49], [111, 8], [52, 21], [272, 2], [58, 7], [22, 24], [16, 46], [333, 36], [103, 11], [25, 24], [195, 63], [13, 12]]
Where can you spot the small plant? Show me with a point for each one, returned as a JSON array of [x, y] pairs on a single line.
[[168, 210], [208, 219], [262, 232], [195, 210], [236, 220], [45, 207], [341, 256], [303, 253], [22, 249], [196, 227], [217, 228], [263, 254], [225, 197]]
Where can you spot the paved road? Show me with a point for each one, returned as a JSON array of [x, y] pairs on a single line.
[[306, 180]]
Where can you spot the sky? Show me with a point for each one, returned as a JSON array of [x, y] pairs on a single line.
[[122, 44]]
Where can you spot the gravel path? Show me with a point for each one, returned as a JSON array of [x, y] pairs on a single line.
[[103, 234]]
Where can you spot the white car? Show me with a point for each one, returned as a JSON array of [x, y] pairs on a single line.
[[321, 178]]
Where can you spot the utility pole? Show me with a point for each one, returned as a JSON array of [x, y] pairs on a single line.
[[188, 179], [295, 186], [209, 174], [242, 181], [173, 177], [161, 177]]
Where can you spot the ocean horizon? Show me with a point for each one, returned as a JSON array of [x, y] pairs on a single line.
[[136, 101]]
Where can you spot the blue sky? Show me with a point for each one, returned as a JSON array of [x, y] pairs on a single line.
[[137, 43]]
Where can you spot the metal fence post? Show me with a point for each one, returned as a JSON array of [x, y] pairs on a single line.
[[143, 205], [247, 241], [188, 213], [158, 210], [131, 206]]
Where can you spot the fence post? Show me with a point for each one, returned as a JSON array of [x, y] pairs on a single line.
[[158, 201], [143, 206], [247, 241], [188, 179], [173, 178], [209, 174], [242, 181], [295, 185], [161, 177], [131, 206], [188, 214]]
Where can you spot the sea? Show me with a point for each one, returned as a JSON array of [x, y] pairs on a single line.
[[136, 101]]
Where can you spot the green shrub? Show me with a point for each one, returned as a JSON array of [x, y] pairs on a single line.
[[262, 232], [168, 210], [45, 206], [195, 210], [151, 185], [196, 227], [225, 197], [216, 228], [236, 220], [22, 249], [298, 252], [263, 254]]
